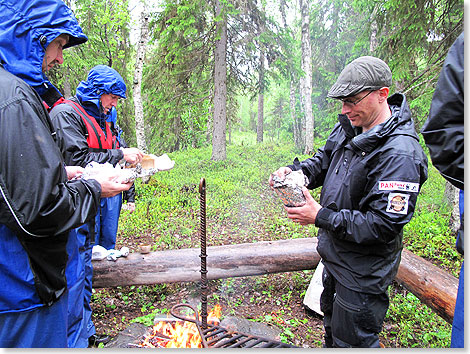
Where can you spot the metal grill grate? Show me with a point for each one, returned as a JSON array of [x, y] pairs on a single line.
[[218, 337]]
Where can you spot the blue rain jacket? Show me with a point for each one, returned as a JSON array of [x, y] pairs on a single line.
[[27, 28]]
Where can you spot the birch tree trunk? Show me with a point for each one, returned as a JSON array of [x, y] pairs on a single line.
[[451, 198], [293, 115], [259, 126], [307, 78], [374, 43], [139, 64], [297, 139], [67, 88], [219, 148]]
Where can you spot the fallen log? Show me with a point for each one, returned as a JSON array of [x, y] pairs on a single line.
[[184, 265], [429, 283]]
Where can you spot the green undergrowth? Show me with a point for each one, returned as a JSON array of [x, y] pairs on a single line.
[[428, 233], [411, 324], [240, 207]]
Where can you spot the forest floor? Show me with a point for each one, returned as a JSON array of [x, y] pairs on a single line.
[[274, 299], [241, 208]]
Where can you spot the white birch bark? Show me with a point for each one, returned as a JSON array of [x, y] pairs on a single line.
[[219, 144], [67, 88], [297, 139], [307, 77], [374, 43], [137, 84], [259, 125]]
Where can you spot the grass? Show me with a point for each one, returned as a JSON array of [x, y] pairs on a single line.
[[241, 207]]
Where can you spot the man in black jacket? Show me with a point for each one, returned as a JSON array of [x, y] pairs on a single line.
[[443, 133], [371, 170]]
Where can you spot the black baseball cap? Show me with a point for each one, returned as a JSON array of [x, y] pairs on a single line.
[[363, 73]]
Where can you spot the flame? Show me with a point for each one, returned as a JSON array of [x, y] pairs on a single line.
[[183, 334]]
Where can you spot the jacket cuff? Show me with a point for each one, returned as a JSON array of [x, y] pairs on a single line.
[[296, 165], [120, 153], [323, 218]]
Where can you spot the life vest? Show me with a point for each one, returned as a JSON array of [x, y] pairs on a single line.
[[97, 139], [50, 105]]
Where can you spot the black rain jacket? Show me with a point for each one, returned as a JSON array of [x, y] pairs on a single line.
[[72, 136], [37, 202], [370, 183], [443, 132]]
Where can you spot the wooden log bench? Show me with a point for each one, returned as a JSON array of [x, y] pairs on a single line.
[[432, 285]]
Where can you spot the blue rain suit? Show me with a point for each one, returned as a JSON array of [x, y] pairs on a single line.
[[38, 205], [72, 133]]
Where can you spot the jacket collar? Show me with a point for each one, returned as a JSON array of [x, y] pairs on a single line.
[[400, 123]]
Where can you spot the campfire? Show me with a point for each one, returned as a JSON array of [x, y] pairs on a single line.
[[178, 334]]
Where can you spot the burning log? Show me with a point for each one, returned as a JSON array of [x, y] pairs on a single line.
[[429, 283]]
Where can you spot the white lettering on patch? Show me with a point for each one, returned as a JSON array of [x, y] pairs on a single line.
[[398, 203], [398, 186]]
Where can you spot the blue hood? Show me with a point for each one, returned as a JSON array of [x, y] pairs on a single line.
[[27, 28], [101, 79]]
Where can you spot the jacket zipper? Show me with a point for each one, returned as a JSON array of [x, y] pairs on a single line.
[[14, 215]]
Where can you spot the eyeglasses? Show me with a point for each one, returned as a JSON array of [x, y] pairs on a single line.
[[353, 103]]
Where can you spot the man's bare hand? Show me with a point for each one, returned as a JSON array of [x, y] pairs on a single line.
[[307, 213], [74, 172], [110, 188], [281, 173], [132, 155]]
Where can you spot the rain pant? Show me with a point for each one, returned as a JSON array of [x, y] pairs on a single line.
[[42, 328], [458, 328], [75, 273], [107, 221]]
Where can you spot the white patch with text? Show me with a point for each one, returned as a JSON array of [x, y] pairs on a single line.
[[398, 186]]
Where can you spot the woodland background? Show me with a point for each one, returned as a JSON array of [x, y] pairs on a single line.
[[232, 90], [197, 70]]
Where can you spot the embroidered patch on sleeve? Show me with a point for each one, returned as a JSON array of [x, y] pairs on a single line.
[[398, 186], [398, 203]]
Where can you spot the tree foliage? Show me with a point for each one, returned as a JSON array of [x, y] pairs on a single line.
[[413, 37], [106, 24]]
